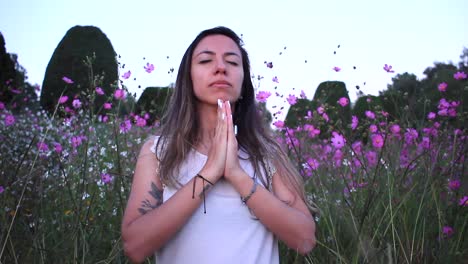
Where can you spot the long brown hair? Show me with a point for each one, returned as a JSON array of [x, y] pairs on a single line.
[[180, 125]]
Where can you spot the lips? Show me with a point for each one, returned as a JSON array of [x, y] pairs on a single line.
[[220, 83]]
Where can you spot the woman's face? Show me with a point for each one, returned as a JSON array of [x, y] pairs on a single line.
[[217, 71]]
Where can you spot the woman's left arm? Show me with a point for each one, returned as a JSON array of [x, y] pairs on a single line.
[[284, 213]]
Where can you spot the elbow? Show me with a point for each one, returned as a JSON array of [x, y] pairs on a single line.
[[132, 253], [306, 242]]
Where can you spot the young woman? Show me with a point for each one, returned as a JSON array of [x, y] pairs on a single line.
[[214, 186]]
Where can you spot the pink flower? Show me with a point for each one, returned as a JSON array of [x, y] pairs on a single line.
[[325, 117], [125, 126], [303, 95], [119, 94], [370, 114], [313, 163], [309, 115], [320, 110], [343, 101], [459, 76], [42, 146], [76, 103], [395, 129], [357, 147], [377, 140], [279, 124], [312, 130], [388, 68], [99, 91], [447, 231], [454, 185], [103, 118], [336, 68], [431, 115], [411, 135], [373, 128], [67, 80], [148, 68], [2, 106], [63, 99], [275, 79], [141, 122], [107, 106], [75, 141], [58, 148], [371, 157], [127, 75], [354, 122], [262, 96], [2, 189], [292, 100], [106, 178], [463, 201], [9, 120], [338, 141], [442, 86]]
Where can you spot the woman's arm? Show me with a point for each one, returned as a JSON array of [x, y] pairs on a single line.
[[284, 213], [149, 223]]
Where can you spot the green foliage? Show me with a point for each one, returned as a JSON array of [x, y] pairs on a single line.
[[80, 46], [297, 112], [366, 103], [328, 94], [153, 101], [7, 72]]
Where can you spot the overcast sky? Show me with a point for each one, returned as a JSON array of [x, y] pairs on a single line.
[[409, 35]]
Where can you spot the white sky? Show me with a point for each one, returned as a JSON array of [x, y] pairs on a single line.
[[409, 35]]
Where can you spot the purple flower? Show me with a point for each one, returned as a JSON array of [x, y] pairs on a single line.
[[292, 100], [459, 76], [463, 201], [309, 115], [373, 128], [411, 135], [67, 80], [125, 126], [58, 148], [2, 106], [370, 114], [107, 106], [262, 96], [99, 91], [431, 115], [377, 140], [119, 94], [9, 120], [42, 146], [75, 141], [442, 86], [279, 124], [76, 103], [343, 101], [371, 157], [127, 75], [269, 64], [447, 231], [336, 68], [388, 68], [354, 122], [2, 189], [149, 67], [141, 122], [106, 178], [303, 95], [313, 163], [454, 185], [338, 141], [275, 79], [63, 99]]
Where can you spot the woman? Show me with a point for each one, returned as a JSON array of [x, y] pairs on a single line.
[[215, 187]]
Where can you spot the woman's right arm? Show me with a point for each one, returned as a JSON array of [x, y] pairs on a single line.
[[149, 223]]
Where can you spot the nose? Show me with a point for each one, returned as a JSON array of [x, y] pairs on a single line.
[[220, 66]]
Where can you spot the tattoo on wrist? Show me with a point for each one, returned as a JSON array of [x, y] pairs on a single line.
[[147, 205]]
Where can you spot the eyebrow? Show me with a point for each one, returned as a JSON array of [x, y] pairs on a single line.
[[229, 53]]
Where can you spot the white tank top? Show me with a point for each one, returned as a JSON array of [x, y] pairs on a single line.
[[227, 233]]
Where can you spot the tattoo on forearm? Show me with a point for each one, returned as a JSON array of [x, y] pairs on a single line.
[[206, 188], [147, 205]]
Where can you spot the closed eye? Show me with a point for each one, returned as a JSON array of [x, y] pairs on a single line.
[[233, 63], [204, 61]]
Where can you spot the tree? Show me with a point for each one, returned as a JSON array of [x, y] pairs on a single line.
[[86, 56], [153, 101]]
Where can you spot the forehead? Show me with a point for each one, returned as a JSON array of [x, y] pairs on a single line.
[[217, 44]]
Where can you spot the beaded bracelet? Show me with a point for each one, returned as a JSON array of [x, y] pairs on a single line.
[[254, 188], [203, 191]]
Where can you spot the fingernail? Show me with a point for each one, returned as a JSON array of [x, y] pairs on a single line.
[[220, 103], [222, 116], [235, 129], [229, 103]]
